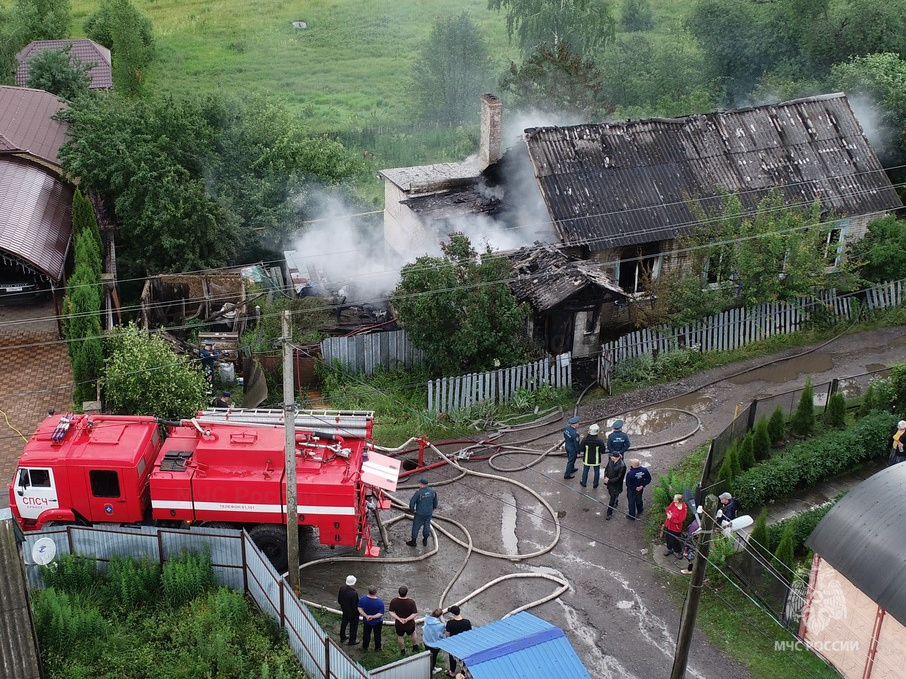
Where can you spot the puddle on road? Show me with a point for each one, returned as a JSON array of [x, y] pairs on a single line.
[[509, 539], [810, 364], [695, 402]]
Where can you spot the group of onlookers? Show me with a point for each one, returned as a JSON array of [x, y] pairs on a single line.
[[616, 474], [403, 611]]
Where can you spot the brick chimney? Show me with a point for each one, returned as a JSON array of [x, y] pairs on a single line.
[[489, 149]]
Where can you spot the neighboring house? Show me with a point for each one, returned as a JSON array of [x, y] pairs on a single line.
[[35, 203], [855, 608], [573, 301], [517, 647], [621, 193], [85, 51]]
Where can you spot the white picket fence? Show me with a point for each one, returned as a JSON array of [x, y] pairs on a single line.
[[455, 393], [738, 327]]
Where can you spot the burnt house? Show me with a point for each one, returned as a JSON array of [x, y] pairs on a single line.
[[621, 193], [573, 301]]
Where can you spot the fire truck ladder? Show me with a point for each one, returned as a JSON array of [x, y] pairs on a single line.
[[346, 423]]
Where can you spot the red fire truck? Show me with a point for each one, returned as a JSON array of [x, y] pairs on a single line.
[[223, 468]]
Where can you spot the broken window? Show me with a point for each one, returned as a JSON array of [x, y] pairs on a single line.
[[638, 266], [833, 245]]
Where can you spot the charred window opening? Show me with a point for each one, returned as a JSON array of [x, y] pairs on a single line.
[[833, 246], [639, 266]]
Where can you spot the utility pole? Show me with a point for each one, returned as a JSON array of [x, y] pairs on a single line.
[[289, 429], [699, 566]]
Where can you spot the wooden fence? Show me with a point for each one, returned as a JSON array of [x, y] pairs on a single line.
[[499, 386], [368, 353], [738, 327]]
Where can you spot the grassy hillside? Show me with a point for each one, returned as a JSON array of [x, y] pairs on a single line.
[[349, 68]]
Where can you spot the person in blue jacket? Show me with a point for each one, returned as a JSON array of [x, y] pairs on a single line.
[[423, 503], [434, 631], [617, 440], [571, 444], [636, 479]]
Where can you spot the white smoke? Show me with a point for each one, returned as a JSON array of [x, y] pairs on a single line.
[[344, 254], [337, 251], [872, 118]]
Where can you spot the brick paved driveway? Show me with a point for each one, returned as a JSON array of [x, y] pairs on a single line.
[[35, 376]]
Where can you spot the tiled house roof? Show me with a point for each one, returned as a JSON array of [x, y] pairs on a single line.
[[85, 51]]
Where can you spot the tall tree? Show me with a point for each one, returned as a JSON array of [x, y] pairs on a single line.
[[40, 20], [636, 15], [101, 25], [129, 50], [587, 25], [57, 72], [556, 80], [459, 309], [451, 70], [149, 160]]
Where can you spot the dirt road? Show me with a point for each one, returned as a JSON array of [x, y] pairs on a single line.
[[616, 612]]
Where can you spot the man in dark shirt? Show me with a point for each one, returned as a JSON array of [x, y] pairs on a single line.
[[614, 473], [403, 611], [372, 611], [571, 445], [348, 598], [618, 441], [636, 479], [455, 625], [423, 503]]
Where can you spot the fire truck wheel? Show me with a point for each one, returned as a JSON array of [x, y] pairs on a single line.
[[271, 539]]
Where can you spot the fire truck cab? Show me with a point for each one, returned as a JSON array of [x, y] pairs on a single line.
[[78, 469]]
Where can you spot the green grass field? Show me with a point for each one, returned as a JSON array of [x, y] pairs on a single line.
[[350, 68]]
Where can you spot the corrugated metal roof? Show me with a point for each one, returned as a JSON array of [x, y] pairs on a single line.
[[18, 649], [862, 538], [618, 184], [517, 647], [84, 50], [546, 277], [35, 216], [27, 124]]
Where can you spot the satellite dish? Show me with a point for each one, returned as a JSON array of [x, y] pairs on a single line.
[[43, 551]]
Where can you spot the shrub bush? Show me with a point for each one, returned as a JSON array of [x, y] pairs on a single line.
[[758, 538], [803, 420], [869, 401], [777, 426], [132, 583], [808, 462], [761, 441], [784, 561], [71, 574], [803, 524], [63, 620], [746, 454], [835, 415]]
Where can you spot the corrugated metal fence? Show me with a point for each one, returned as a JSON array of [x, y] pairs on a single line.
[[735, 328], [499, 386], [367, 353], [238, 564]]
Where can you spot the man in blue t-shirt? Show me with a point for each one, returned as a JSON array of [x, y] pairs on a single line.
[[423, 503], [371, 608]]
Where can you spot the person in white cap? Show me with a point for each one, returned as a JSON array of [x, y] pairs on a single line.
[[348, 598], [592, 449], [896, 443]]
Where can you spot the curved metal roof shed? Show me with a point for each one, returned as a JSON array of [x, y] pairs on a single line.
[[517, 647], [862, 538]]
